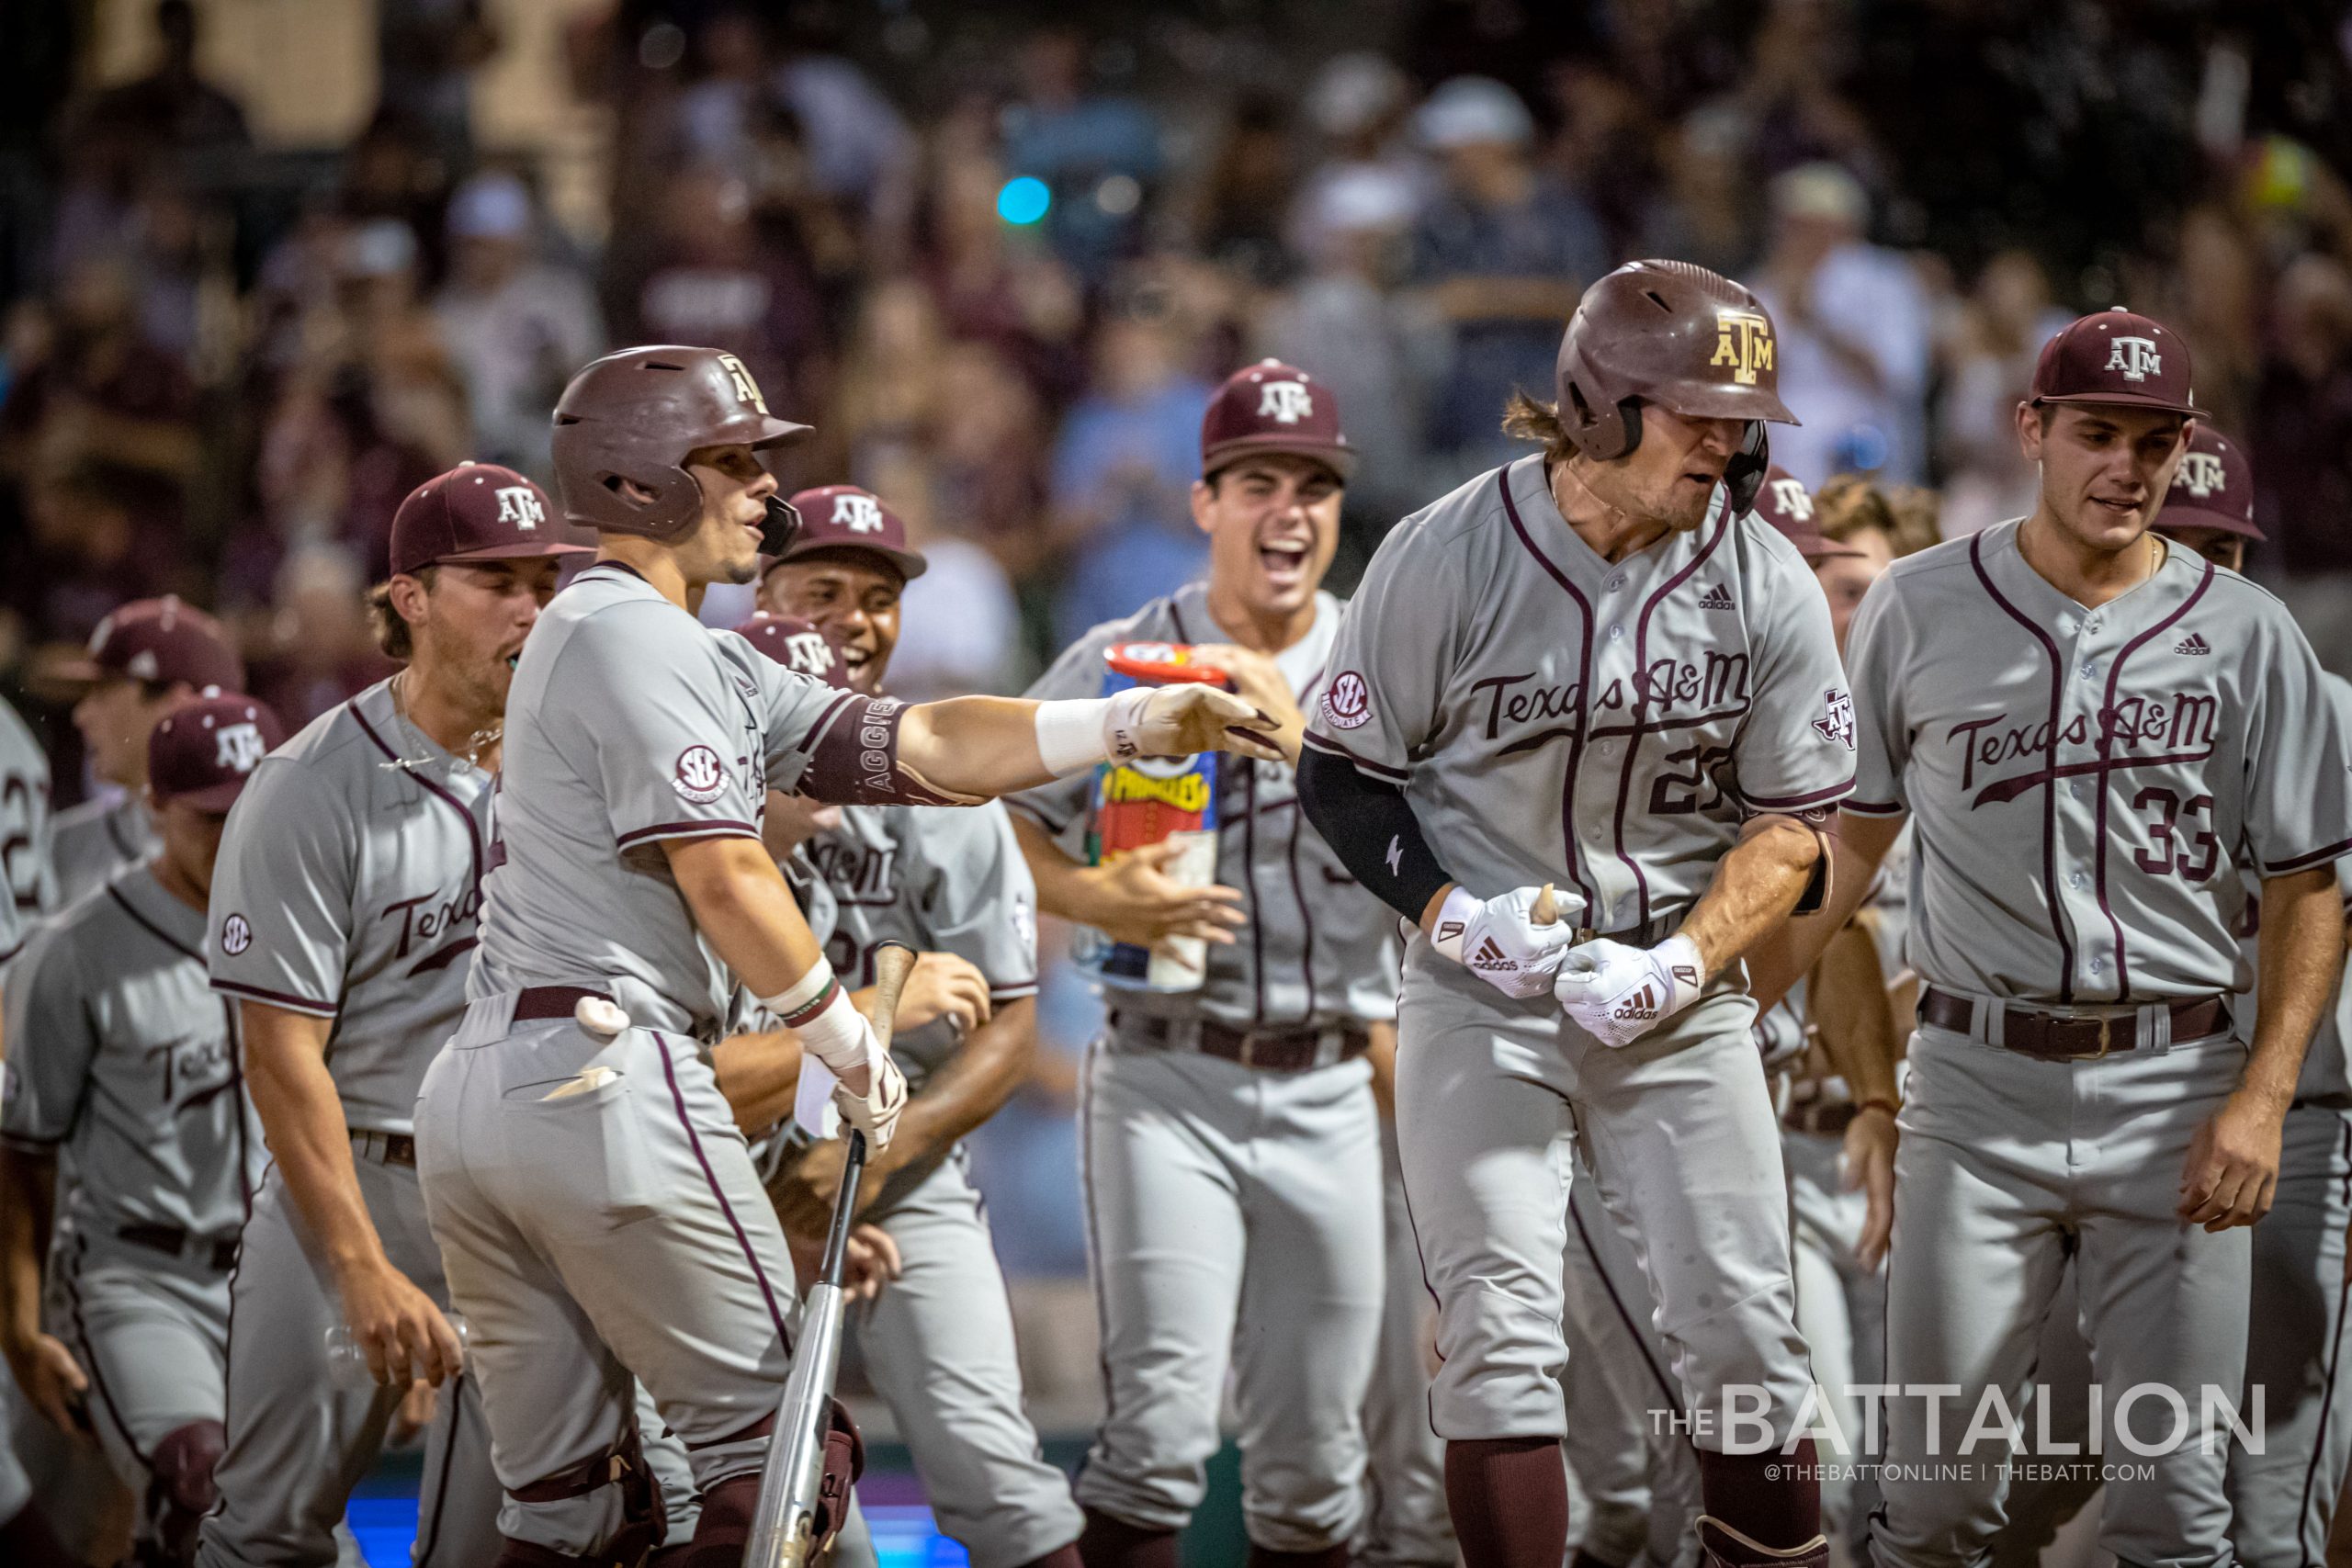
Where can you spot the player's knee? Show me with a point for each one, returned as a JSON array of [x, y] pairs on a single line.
[[611, 1504]]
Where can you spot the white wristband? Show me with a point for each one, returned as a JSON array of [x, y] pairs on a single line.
[[1077, 732], [1452, 919], [837, 1036], [802, 995]]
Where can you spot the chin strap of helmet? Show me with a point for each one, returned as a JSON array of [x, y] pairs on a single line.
[[1744, 475], [781, 526]]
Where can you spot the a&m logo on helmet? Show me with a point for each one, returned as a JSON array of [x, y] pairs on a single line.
[[1285, 402], [2199, 474], [746, 389], [1744, 342], [237, 747], [808, 653], [858, 513], [2135, 356], [517, 505], [1791, 497]]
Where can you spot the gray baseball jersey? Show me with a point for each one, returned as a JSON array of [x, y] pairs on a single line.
[[2324, 1078], [1318, 949], [630, 723], [2142, 752], [939, 880], [348, 888], [1604, 727], [24, 827], [90, 842], [118, 1051]]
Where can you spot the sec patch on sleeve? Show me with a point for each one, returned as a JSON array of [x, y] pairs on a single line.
[[236, 935], [1836, 722], [699, 776], [1347, 706]]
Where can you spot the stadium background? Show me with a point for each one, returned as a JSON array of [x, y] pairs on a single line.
[[267, 264]]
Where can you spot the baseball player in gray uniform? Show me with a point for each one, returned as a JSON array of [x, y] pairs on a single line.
[[948, 883], [2092, 733], [345, 910], [122, 1059], [2283, 1499], [146, 659], [24, 826], [1594, 670], [1228, 1138], [596, 1204]]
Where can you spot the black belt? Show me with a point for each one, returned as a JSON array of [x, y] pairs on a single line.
[[540, 1003], [220, 1255], [2066, 1037], [1270, 1050], [390, 1148]]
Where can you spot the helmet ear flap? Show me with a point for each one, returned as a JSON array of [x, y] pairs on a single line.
[[779, 528], [1628, 413], [1744, 475]]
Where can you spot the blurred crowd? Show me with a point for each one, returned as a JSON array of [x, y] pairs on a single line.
[[999, 261]]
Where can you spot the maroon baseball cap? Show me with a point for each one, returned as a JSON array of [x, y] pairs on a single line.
[[1783, 501], [2213, 487], [160, 640], [2116, 356], [843, 517], [1274, 407], [803, 648], [202, 755], [479, 512]]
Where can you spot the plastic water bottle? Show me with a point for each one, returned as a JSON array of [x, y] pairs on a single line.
[[347, 1363]]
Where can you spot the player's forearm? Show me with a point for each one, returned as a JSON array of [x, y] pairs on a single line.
[[2303, 960], [27, 1193], [301, 1119], [760, 1075], [1064, 888], [1786, 952], [974, 746], [971, 1087], [1849, 1004], [1755, 888], [744, 909]]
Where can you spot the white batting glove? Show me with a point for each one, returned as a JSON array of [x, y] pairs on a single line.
[[875, 1113], [1500, 940], [1617, 994]]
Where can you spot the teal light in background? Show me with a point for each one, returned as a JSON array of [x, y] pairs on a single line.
[[1024, 200]]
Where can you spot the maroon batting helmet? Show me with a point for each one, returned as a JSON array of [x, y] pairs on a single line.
[[635, 415], [1672, 333]]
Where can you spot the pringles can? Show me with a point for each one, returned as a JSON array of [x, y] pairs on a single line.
[[1153, 800]]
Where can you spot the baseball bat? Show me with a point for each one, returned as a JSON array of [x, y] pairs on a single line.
[[783, 1525]]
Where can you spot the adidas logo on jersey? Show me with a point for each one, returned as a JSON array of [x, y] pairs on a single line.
[[2192, 643], [1637, 1007], [1490, 955], [1715, 598]]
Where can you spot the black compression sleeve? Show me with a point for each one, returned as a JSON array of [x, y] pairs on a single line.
[[1371, 827]]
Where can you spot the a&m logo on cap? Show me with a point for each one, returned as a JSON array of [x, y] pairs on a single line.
[[808, 653], [1744, 342], [2199, 474], [2135, 356], [858, 513], [237, 747], [518, 505], [1285, 402], [1791, 497], [746, 389]]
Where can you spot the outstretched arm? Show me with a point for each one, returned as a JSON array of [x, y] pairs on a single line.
[[979, 748]]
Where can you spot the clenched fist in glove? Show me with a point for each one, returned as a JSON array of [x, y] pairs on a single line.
[[837, 1035], [1617, 994], [1503, 940]]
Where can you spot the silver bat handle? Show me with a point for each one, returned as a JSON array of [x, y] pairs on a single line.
[[784, 1523]]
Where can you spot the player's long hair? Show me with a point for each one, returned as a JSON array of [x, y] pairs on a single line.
[[1529, 419], [392, 633]]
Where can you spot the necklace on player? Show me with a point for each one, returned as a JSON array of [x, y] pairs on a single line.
[[481, 741]]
